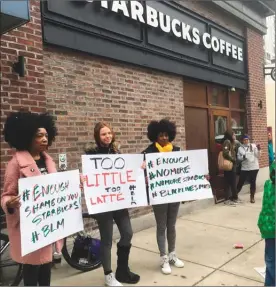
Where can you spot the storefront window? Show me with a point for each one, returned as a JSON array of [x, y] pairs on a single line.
[[220, 127], [237, 124], [219, 97]]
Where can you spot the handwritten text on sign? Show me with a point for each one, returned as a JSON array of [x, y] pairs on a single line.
[[113, 182], [178, 176], [50, 209]]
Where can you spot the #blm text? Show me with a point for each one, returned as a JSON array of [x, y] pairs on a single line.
[[39, 208]]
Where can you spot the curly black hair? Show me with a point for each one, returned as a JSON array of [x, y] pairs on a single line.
[[20, 128], [163, 126]]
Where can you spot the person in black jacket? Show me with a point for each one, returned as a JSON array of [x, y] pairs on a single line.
[[161, 134], [105, 144]]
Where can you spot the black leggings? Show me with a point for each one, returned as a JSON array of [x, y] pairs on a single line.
[[34, 275], [251, 175], [230, 189]]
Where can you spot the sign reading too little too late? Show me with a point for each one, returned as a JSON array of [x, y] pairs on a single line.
[[113, 182]]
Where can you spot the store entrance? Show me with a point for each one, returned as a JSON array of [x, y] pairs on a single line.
[[209, 111]]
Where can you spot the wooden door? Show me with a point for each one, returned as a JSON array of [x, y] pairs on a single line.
[[219, 123]]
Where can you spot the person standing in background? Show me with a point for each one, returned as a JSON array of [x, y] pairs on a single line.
[[229, 153], [248, 154], [271, 155]]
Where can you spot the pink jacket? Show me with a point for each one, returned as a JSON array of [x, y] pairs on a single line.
[[23, 165]]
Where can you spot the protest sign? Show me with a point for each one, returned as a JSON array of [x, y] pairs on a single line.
[[113, 182], [50, 209], [177, 176]]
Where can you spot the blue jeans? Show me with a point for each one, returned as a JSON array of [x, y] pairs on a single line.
[[270, 262]]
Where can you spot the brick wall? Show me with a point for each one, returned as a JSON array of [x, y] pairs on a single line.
[[82, 90], [27, 92], [256, 117]]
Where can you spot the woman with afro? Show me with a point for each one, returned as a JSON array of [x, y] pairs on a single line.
[[162, 134], [30, 135]]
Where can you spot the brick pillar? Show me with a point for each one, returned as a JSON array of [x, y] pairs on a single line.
[[27, 92], [256, 116]]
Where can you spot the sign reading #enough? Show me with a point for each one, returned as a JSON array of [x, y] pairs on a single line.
[[178, 176], [50, 209], [113, 182]]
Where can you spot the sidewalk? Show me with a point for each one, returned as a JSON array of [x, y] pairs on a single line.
[[205, 240]]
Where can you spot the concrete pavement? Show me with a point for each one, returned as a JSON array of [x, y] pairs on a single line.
[[205, 239]]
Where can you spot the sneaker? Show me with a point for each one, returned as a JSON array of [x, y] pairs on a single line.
[[165, 265], [229, 203], [110, 280], [175, 261], [238, 201]]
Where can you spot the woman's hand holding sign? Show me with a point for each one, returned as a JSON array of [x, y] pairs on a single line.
[[143, 166], [14, 202], [82, 181]]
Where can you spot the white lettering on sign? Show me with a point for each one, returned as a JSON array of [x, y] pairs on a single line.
[[104, 4], [234, 51], [167, 24], [206, 43], [196, 38], [152, 17], [120, 5], [137, 11], [240, 56], [186, 32], [228, 48], [176, 27]]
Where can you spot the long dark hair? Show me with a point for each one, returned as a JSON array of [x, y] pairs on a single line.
[[228, 135]]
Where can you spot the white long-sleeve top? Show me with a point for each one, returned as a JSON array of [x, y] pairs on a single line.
[[252, 154]]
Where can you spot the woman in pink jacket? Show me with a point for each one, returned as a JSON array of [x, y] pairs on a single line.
[[31, 135]]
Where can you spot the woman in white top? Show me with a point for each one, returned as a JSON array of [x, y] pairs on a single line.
[[248, 154]]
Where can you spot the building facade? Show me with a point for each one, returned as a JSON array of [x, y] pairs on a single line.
[[269, 40], [128, 63]]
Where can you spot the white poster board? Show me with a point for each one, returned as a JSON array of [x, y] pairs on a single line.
[[113, 182], [50, 209], [178, 176]]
